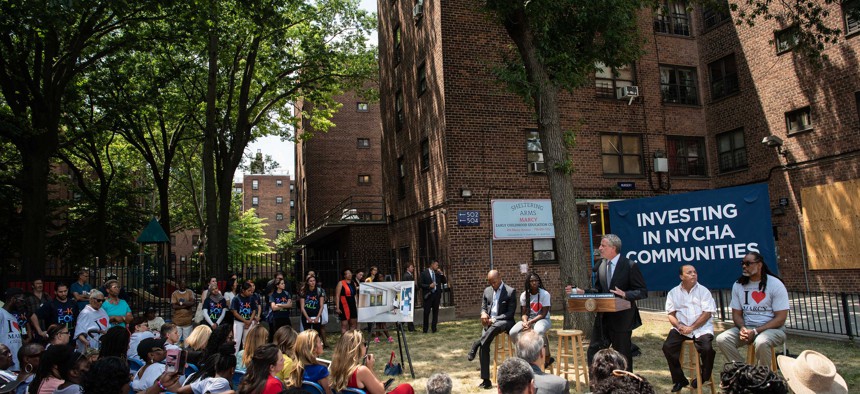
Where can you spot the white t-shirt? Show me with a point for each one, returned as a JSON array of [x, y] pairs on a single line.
[[211, 385], [536, 302], [10, 335], [142, 382], [134, 341], [759, 307]]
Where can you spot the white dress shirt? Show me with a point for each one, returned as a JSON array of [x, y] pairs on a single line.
[[688, 306]]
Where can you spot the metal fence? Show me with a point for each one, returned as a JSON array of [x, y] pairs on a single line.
[[148, 283], [820, 312]]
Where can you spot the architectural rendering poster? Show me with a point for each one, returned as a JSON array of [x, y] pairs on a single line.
[[710, 229], [522, 219], [386, 302]]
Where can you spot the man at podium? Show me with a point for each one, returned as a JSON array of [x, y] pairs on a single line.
[[620, 276]]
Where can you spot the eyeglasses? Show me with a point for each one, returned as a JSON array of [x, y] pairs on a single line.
[[99, 299], [747, 263]]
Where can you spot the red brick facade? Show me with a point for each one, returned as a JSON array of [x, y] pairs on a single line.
[[476, 134], [340, 213], [269, 196]]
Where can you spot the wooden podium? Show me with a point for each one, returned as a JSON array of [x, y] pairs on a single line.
[[596, 302]]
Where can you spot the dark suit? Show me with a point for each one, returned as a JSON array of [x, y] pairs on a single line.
[[549, 384], [432, 297], [616, 328], [408, 277], [507, 306]]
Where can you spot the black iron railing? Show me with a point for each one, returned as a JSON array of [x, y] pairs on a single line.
[[820, 312]]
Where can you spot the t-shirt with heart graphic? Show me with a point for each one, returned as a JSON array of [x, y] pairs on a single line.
[[759, 306]]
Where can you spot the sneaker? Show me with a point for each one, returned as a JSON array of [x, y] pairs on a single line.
[[390, 340], [376, 340]]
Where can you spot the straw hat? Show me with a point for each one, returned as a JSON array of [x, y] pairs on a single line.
[[812, 373]]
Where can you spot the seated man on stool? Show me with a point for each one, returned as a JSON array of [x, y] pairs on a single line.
[[690, 306], [530, 347], [497, 316], [759, 309]]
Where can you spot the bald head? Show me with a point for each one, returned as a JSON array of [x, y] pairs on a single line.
[[494, 279]]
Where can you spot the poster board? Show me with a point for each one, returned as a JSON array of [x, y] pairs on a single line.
[[831, 224], [386, 302], [522, 219]]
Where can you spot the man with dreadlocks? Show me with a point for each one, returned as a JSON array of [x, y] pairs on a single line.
[[759, 308]]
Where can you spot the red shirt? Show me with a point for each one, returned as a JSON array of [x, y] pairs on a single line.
[[273, 386]]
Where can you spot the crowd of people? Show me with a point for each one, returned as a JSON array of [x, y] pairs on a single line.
[[243, 339]]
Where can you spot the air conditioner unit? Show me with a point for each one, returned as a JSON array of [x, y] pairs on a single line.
[[537, 166], [627, 92]]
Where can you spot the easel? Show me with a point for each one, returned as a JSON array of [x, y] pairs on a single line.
[[401, 336]]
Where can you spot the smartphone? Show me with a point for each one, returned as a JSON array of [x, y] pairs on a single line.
[[388, 383], [175, 360]]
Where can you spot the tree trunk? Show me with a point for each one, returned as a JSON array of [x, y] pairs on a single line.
[[163, 185], [573, 264], [214, 258], [34, 203]]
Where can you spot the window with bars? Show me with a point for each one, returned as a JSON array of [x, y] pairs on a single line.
[[724, 77], [279, 200], [621, 154], [672, 18], [607, 80], [686, 156], [732, 150], [678, 85]]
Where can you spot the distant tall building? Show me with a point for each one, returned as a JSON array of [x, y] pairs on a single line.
[[271, 198], [341, 220], [704, 95]]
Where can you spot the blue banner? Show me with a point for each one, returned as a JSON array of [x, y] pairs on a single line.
[[710, 229]]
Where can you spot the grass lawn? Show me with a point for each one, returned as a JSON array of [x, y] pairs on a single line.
[[446, 351]]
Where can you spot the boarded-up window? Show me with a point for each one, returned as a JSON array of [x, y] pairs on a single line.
[[832, 225]]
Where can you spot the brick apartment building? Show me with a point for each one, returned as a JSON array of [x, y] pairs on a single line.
[[340, 211], [708, 93], [272, 197]]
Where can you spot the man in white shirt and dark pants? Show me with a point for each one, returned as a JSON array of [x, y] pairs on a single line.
[[690, 307]]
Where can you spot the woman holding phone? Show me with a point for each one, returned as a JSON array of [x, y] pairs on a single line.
[[352, 367]]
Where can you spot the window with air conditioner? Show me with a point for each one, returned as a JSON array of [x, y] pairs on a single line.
[[799, 120], [534, 152], [607, 79], [543, 251]]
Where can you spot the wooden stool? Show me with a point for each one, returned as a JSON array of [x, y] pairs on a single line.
[[694, 367], [751, 358], [502, 349], [570, 347]]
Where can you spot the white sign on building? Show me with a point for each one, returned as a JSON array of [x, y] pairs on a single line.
[[522, 219]]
